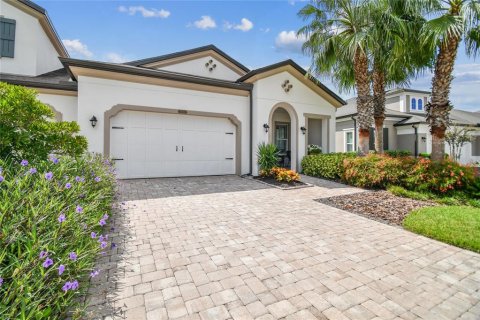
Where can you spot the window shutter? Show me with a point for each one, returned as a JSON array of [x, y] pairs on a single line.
[[385, 138], [372, 139], [7, 37]]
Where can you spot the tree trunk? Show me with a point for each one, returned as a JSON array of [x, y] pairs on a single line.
[[438, 109], [378, 106], [364, 101]]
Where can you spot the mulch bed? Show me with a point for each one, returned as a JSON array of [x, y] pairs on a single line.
[[282, 185], [378, 205]]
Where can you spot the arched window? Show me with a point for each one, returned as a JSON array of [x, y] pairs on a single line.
[[420, 104], [414, 104]]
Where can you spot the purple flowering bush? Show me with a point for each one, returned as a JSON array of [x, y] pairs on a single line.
[[47, 219]]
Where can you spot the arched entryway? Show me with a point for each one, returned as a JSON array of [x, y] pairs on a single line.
[[283, 122]]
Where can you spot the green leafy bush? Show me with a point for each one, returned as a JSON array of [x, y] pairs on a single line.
[[313, 149], [442, 177], [27, 129], [52, 217], [267, 156], [376, 171], [328, 165], [424, 155], [398, 153]]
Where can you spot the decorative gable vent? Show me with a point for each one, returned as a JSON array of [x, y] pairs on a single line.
[[287, 86], [210, 65]]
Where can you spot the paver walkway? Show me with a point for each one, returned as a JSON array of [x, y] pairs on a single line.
[[231, 248]]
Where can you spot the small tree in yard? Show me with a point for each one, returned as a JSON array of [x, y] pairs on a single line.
[[456, 139], [28, 130]]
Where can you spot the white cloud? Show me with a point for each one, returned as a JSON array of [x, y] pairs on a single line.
[[289, 42], [146, 13], [77, 48], [206, 22], [115, 57], [245, 25]]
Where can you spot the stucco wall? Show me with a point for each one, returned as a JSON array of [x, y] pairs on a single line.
[[66, 105], [341, 127], [268, 92], [95, 96], [197, 67], [34, 53]]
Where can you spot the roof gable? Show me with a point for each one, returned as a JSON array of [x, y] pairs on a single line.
[[210, 52], [299, 73]]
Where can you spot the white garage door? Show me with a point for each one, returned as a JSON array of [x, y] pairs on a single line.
[[149, 144]]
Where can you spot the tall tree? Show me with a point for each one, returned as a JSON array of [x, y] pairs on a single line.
[[454, 21], [338, 33]]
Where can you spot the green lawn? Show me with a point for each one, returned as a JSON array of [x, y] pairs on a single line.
[[459, 226]]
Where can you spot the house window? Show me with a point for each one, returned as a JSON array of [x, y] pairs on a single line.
[[7, 37], [414, 104], [420, 104], [281, 137], [349, 147], [475, 146]]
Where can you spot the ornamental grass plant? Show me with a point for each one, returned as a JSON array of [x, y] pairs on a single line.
[[52, 228]]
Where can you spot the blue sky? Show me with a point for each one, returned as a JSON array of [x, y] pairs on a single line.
[[256, 33]]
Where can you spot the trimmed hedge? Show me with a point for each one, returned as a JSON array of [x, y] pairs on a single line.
[[52, 217], [328, 165]]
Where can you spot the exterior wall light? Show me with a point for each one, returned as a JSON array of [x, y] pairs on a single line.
[[266, 127], [304, 130], [93, 121]]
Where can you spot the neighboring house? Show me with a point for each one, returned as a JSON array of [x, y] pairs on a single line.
[[195, 112], [405, 127]]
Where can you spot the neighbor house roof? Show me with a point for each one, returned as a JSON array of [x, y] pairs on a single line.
[[406, 90], [40, 13], [58, 79], [174, 55], [70, 63], [302, 71]]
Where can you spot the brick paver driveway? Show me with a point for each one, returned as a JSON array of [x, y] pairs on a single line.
[[231, 248]]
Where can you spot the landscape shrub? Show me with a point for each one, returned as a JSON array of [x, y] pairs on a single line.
[[267, 156], [27, 129], [398, 153], [284, 175], [376, 171], [313, 149], [424, 155], [442, 177], [52, 217], [328, 165]]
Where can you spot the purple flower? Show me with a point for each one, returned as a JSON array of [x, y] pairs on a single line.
[[47, 263], [75, 285], [61, 218], [79, 209], [32, 170], [68, 185], [49, 175], [24, 163], [113, 245], [93, 235], [103, 244], [61, 269], [67, 286], [94, 273], [2, 178], [79, 179], [1, 281], [102, 238], [52, 158], [43, 254], [102, 222], [73, 256], [98, 179], [105, 216]]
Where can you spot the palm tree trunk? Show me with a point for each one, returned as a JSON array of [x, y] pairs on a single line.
[[438, 109], [378, 107], [364, 100]]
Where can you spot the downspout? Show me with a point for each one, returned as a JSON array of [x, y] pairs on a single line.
[[354, 133], [416, 140], [251, 131]]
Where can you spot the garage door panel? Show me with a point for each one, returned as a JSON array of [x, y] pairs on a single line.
[[151, 145]]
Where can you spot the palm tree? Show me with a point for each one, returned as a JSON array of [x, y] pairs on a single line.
[[338, 35], [454, 21]]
